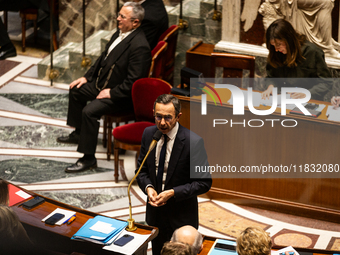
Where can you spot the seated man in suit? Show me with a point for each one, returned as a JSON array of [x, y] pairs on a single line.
[[189, 235], [173, 204], [107, 84]]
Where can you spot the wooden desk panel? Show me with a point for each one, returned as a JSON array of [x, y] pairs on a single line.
[[58, 237], [312, 141]]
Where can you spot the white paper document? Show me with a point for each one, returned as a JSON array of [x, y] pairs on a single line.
[[269, 102], [68, 214], [103, 227], [256, 96], [333, 113], [131, 246], [289, 249], [23, 194]]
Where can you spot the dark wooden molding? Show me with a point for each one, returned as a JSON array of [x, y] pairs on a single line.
[[274, 204]]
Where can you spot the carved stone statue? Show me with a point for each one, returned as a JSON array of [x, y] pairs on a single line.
[[309, 17], [270, 12]]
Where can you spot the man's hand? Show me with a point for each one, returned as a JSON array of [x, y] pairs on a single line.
[[79, 82], [105, 93], [152, 194], [160, 199], [164, 196]]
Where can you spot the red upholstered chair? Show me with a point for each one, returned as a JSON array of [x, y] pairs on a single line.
[[170, 36], [129, 136], [158, 63], [233, 65], [156, 71]]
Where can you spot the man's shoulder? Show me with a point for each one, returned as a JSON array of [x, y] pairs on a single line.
[[139, 37], [187, 134], [149, 131]]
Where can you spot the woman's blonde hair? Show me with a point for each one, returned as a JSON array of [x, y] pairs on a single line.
[[254, 241]]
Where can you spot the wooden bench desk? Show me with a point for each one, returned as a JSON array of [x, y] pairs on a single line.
[[58, 238]]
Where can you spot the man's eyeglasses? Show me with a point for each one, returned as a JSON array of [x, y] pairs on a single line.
[[166, 118], [123, 17]]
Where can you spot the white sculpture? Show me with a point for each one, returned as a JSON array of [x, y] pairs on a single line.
[[270, 13], [309, 17]]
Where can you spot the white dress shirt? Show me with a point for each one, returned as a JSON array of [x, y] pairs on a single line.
[[171, 139], [120, 38]]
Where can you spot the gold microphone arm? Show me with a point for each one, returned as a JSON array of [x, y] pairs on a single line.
[[131, 222]]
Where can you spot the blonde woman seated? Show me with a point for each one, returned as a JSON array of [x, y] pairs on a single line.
[[176, 248], [254, 241]]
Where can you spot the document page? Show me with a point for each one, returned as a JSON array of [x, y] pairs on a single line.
[[333, 113], [256, 96], [287, 249], [131, 246]]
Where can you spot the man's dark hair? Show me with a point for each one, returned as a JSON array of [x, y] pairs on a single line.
[[137, 11], [167, 98]]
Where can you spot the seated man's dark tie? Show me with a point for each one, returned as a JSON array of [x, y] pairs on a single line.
[[161, 165]]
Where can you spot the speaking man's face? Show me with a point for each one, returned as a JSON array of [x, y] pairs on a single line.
[[165, 117]]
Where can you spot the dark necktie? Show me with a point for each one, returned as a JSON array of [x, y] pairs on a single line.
[[161, 165]]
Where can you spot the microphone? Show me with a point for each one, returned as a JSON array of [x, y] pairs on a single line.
[[158, 134], [131, 222]]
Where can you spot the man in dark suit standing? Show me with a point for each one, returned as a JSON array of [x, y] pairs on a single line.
[[173, 204], [155, 22], [107, 84]]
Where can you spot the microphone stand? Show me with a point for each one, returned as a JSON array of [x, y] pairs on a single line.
[[131, 222]]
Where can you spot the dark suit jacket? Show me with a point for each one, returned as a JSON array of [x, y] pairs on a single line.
[[155, 21], [182, 209], [131, 59]]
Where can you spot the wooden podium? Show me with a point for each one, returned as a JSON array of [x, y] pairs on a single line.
[[198, 57]]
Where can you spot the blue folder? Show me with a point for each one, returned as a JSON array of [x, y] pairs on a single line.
[[86, 233]]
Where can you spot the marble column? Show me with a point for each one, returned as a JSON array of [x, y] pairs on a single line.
[[100, 15], [231, 20]]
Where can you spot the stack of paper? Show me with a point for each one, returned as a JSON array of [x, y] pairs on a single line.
[[100, 229]]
